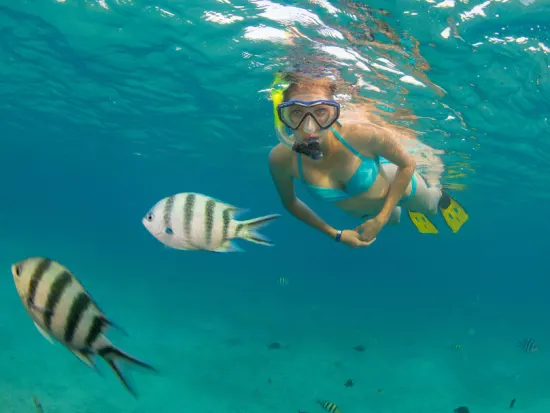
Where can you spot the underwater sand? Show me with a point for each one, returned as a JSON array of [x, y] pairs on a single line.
[[211, 348]]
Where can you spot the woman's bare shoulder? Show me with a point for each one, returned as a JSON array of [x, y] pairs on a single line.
[[365, 131], [359, 134], [280, 156]]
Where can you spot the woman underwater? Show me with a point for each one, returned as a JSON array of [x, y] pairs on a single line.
[[359, 166]]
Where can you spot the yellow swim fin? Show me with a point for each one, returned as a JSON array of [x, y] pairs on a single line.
[[422, 223], [453, 213]]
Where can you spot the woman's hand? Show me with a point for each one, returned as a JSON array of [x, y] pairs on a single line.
[[352, 239], [368, 231]]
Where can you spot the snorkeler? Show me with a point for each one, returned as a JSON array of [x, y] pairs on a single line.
[[359, 166]]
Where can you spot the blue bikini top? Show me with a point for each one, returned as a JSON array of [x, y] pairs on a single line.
[[360, 182]]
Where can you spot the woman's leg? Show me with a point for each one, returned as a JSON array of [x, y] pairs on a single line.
[[421, 198], [395, 217], [428, 201], [425, 199]]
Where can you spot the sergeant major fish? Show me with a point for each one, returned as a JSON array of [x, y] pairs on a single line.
[[329, 406], [528, 345], [192, 221], [62, 309]]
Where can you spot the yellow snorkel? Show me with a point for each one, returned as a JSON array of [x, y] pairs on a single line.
[[277, 90], [278, 87]]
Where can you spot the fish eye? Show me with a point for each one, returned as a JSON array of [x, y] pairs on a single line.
[[149, 217], [168, 231], [17, 270]]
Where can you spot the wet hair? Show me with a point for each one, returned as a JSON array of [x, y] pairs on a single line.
[[299, 82]]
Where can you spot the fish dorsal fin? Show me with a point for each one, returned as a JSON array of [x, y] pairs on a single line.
[[108, 322], [236, 212], [44, 333], [234, 209]]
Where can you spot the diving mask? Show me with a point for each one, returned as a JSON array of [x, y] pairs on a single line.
[[294, 112]]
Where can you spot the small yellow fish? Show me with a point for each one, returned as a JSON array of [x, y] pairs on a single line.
[[329, 406]]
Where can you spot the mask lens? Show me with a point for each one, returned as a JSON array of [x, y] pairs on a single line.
[[293, 114]]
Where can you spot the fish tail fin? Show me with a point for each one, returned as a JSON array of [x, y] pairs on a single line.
[[250, 228], [112, 355]]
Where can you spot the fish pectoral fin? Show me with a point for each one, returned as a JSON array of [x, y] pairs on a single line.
[[34, 307], [44, 333]]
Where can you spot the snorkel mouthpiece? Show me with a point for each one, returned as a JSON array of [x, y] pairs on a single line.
[[311, 149]]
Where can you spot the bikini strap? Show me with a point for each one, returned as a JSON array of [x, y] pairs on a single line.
[[345, 143]]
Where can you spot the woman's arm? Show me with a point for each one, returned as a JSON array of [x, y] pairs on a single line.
[[285, 187], [385, 143]]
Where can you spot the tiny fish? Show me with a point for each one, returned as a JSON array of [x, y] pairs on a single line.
[[512, 403], [360, 348], [61, 308], [528, 345], [282, 281], [192, 221], [38, 405], [462, 409], [329, 406]]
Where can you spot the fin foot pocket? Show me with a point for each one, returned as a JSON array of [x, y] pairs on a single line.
[[453, 212]]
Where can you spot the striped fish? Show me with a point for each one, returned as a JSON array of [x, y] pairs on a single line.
[[62, 309], [38, 405], [528, 345], [192, 221], [328, 406]]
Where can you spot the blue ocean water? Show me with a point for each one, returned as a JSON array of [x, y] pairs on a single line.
[[108, 106]]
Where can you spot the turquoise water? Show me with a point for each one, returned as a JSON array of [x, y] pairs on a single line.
[[107, 107]]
